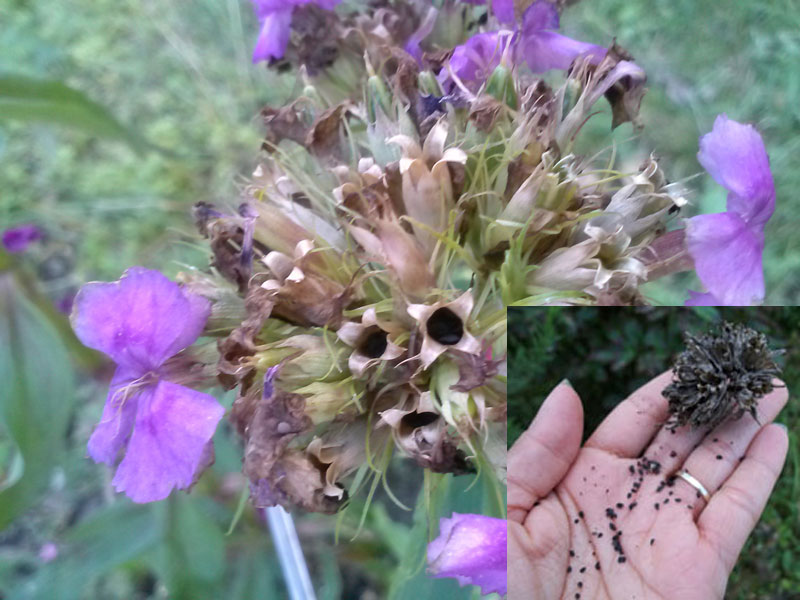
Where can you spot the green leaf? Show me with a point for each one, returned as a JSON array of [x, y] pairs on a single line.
[[115, 535], [36, 397], [40, 100], [193, 553]]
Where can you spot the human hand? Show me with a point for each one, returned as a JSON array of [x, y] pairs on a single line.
[[567, 505]]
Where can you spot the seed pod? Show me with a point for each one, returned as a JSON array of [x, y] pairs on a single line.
[[720, 375]]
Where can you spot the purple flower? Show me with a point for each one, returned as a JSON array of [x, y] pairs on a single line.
[[544, 49], [474, 60], [275, 17], [17, 239], [727, 247], [141, 321], [472, 549]]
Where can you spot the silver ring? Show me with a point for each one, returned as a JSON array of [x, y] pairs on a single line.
[[690, 479]]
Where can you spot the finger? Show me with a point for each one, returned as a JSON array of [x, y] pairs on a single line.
[[734, 511], [543, 454], [633, 423], [713, 461]]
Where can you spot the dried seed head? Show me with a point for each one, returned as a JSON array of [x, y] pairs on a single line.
[[719, 375]]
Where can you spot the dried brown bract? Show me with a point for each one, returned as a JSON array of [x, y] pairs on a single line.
[[720, 375]]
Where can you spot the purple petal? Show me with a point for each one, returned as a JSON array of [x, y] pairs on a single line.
[[413, 44], [504, 10], [727, 257], [539, 15], [274, 35], [545, 50], [700, 299], [475, 59], [472, 549], [734, 155], [17, 239], [139, 321], [116, 423], [173, 426]]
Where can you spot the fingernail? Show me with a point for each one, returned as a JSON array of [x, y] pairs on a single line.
[[785, 428], [567, 383]]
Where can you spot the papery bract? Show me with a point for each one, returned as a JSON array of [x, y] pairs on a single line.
[[141, 321], [727, 247], [471, 549]]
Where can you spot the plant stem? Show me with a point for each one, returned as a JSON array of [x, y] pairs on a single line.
[[287, 546]]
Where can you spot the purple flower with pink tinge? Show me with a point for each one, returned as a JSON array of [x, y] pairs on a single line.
[[275, 17], [727, 247], [17, 239], [471, 549], [140, 321]]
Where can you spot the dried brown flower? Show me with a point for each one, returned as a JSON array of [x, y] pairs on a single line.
[[720, 375]]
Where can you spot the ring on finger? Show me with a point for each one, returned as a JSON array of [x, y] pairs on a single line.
[[691, 480]]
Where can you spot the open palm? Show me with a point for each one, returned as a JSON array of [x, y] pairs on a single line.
[[610, 520]]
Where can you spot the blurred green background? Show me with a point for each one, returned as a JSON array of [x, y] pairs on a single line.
[[607, 353]]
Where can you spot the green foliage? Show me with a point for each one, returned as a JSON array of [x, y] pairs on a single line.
[[36, 398], [606, 353], [33, 100]]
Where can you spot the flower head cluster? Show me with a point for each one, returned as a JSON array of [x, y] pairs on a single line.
[[720, 374]]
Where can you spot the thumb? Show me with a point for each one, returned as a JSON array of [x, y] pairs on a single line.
[[542, 455]]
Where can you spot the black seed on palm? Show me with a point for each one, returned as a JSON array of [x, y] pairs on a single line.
[[720, 375], [373, 343], [445, 327]]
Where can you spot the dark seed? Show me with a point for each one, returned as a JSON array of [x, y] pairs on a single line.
[[373, 343], [445, 327], [719, 456], [652, 541], [621, 559]]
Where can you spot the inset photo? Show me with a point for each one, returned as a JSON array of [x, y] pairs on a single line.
[[653, 452]]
